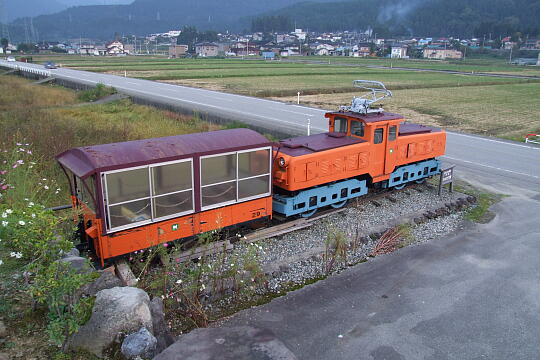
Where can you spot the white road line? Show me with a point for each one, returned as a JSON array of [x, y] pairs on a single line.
[[491, 167], [495, 141]]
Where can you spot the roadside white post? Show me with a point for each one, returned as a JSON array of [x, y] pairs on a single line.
[[125, 73], [298, 98], [308, 126]]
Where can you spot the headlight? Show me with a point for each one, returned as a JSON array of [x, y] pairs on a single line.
[[281, 162]]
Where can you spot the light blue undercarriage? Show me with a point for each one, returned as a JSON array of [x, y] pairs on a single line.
[[337, 194]]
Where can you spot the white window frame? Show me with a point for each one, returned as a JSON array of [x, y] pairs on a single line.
[[151, 196], [237, 200]]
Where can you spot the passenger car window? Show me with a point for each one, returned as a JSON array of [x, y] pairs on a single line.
[[392, 133], [172, 189], [378, 138], [340, 124], [357, 128]]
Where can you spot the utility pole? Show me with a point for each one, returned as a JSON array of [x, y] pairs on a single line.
[[510, 60]]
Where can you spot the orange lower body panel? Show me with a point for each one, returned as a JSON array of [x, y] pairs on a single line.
[[124, 242]]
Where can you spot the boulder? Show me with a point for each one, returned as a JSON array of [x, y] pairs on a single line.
[[161, 331], [243, 342], [139, 345], [79, 264], [106, 280], [117, 311]]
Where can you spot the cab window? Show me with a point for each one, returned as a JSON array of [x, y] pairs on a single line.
[[392, 133], [357, 128], [378, 138], [340, 125]]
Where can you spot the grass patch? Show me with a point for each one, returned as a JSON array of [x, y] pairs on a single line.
[[36, 114], [99, 92], [479, 213]]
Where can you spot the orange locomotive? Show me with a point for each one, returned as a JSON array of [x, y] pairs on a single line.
[[138, 194]]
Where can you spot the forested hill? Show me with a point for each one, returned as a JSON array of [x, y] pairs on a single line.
[[146, 16], [462, 18]]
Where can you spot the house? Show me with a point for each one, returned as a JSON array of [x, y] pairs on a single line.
[[176, 51], [269, 55], [206, 49], [362, 50], [115, 48], [441, 54], [531, 44], [399, 52]]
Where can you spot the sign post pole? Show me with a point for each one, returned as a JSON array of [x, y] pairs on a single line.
[[446, 176]]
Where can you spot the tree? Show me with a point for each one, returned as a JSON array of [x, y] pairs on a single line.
[[4, 43], [210, 36], [188, 36], [26, 48]]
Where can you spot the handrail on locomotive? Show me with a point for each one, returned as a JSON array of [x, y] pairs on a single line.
[[363, 104]]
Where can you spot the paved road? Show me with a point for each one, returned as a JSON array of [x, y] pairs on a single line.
[[479, 157], [475, 295]]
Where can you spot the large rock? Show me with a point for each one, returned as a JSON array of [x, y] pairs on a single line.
[[106, 280], [161, 331], [242, 342], [117, 311], [138, 345], [79, 264]]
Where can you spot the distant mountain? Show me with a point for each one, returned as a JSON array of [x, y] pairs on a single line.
[[30, 8], [419, 17], [17, 8], [147, 16]]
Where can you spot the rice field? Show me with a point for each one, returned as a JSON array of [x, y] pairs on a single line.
[[502, 107]]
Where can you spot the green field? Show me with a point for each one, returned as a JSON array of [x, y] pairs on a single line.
[[503, 107]]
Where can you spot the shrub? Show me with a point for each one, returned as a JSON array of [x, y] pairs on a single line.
[[37, 238], [99, 92]]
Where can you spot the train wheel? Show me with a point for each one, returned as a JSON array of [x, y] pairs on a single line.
[[308, 213], [400, 186], [339, 204], [421, 181]]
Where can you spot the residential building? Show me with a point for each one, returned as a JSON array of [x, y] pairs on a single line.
[[115, 48], [399, 52], [362, 49], [441, 54], [206, 49], [176, 51], [531, 44]]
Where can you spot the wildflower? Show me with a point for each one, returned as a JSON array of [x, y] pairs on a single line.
[[3, 172], [30, 204], [46, 187], [19, 144], [4, 215], [203, 287], [9, 211], [165, 245], [1, 262], [14, 166], [178, 281], [29, 152], [22, 223], [4, 187], [4, 223], [22, 149], [20, 162], [33, 215], [25, 199], [17, 255]]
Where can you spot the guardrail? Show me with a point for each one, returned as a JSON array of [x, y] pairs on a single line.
[[533, 138], [24, 68]]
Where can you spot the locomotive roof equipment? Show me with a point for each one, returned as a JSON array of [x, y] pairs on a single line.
[[363, 104]]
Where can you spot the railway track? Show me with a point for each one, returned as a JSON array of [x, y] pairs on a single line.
[[283, 227]]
